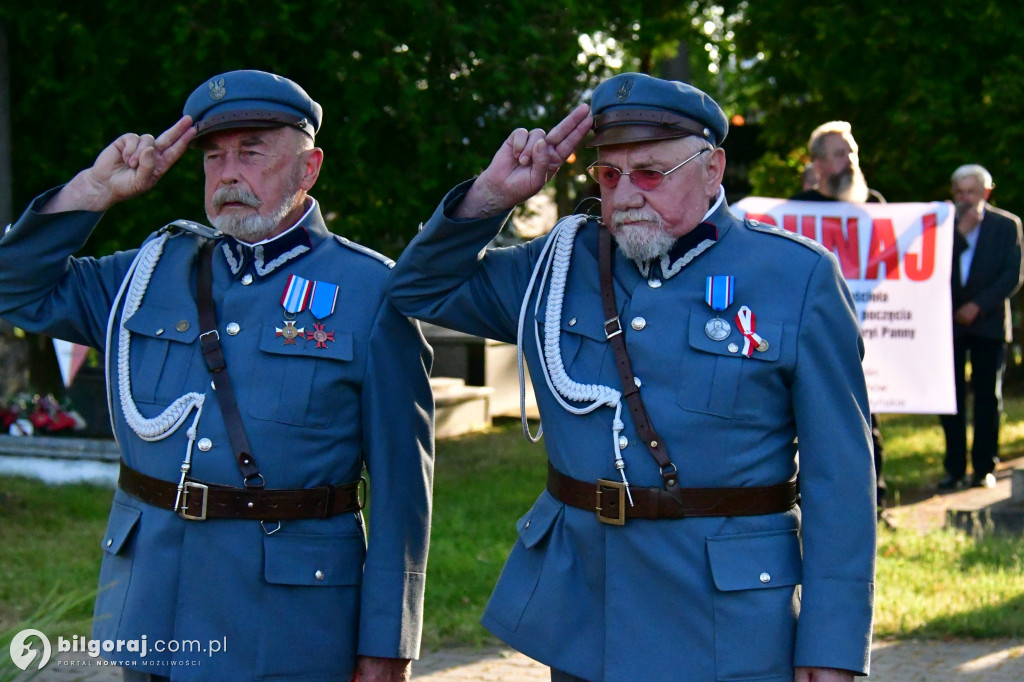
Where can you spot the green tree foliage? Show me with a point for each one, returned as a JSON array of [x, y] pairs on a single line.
[[416, 93], [927, 86]]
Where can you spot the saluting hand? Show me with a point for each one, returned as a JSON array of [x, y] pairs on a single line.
[[130, 165], [523, 165]]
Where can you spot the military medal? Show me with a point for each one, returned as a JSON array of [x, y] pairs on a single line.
[[319, 335], [718, 293], [296, 294], [747, 322], [322, 299], [290, 332]]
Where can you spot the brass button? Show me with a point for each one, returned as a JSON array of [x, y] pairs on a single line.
[[233, 328], [182, 326]]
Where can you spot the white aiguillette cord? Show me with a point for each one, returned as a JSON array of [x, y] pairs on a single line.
[[554, 262], [136, 281]]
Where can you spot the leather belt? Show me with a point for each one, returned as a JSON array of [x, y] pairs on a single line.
[[608, 499], [201, 501]]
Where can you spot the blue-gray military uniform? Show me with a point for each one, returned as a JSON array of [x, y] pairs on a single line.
[[301, 602], [713, 598]]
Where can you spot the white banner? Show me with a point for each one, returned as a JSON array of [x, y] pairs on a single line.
[[896, 259]]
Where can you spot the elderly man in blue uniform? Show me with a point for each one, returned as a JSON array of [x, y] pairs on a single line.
[[255, 368], [682, 369]]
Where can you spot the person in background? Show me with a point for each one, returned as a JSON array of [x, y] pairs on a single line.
[[987, 271], [838, 177]]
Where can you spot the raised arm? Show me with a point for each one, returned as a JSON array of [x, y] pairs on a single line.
[[523, 165], [130, 165]]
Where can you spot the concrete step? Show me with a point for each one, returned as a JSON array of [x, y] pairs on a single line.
[[459, 409]]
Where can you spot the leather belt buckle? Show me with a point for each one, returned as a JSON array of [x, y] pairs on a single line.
[[612, 327], [361, 493], [189, 487], [618, 502]]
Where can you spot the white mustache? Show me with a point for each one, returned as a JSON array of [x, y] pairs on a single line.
[[231, 194], [633, 215]]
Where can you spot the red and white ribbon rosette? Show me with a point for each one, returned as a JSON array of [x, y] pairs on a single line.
[[747, 322]]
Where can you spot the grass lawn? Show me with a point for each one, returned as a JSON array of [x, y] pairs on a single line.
[[939, 584]]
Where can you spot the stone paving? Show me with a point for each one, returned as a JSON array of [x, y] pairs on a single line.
[[891, 661]]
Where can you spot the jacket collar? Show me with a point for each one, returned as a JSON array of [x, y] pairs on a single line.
[[687, 248], [263, 258]]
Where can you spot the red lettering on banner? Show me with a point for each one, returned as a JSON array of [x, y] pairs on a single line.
[[845, 246], [882, 249], [808, 225], [920, 268], [762, 218]]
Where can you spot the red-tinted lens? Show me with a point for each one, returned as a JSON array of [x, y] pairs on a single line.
[[606, 176], [645, 179]]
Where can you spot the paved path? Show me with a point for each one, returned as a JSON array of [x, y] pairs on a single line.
[[891, 661]]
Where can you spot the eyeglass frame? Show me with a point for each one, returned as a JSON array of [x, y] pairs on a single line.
[[663, 174]]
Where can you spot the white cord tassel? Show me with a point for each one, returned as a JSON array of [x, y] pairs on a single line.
[[554, 262], [167, 422]]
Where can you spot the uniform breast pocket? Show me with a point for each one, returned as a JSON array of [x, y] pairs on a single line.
[[301, 383], [718, 379], [162, 353], [584, 346]]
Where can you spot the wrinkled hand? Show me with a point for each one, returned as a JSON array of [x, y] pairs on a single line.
[[967, 313], [822, 675], [523, 165], [372, 669], [130, 165]]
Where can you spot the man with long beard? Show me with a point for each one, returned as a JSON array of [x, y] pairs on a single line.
[[834, 156], [836, 163], [684, 353], [255, 370]]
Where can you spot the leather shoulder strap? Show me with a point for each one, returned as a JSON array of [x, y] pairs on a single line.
[[209, 340], [630, 391]]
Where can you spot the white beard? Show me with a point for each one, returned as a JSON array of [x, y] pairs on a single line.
[[248, 228], [849, 185], [641, 243]]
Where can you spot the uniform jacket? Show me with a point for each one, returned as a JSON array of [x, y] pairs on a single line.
[[699, 598], [995, 275], [300, 603]]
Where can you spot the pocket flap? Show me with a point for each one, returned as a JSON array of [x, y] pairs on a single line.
[[769, 331], [755, 560], [163, 323], [119, 527], [313, 560], [536, 523], [335, 345]]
